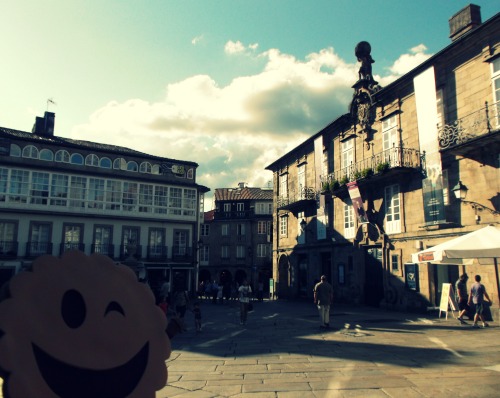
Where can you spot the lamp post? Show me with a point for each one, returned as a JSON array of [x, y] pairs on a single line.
[[460, 191]]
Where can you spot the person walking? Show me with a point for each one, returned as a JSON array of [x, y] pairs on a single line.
[[462, 297], [477, 296], [181, 302], [244, 292], [197, 316], [323, 298]]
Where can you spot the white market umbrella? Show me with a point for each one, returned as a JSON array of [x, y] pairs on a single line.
[[481, 245]]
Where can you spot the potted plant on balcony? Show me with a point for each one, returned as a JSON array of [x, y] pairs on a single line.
[[357, 175], [344, 180], [367, 173], [334, 185], [382, 167]]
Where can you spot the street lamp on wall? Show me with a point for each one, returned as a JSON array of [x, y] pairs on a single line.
[[303, 225], [460, 191]]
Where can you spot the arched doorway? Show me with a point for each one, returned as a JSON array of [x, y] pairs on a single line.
[[283, 288]]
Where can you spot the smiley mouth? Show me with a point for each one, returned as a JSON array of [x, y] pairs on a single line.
[[70, 381]]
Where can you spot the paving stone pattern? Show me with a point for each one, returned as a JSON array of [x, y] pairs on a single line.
[[367, 352]]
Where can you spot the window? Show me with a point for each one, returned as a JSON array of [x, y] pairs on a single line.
[[392, 209], [240, 229], [132, 166], [155, 169], [103, 239], [92, 160], [161, 200], [59, 190], [39, 240], [263, 250], [4, 177], [62, 156], [284, 186], [347, 154], [224, 251], [77, 191], [240, 251], [47, 155], [156, 243], [39, 188], [225, 229], [105, 163], [180, 243], [240, 207], [96, 193], [30, 151], [145, 198], [130, 241], [72, 237], [15, 151], [263, 208], [189, 202], [205, 229], [175, 201], [390, 140], [190, 174], [495, 77], [120, 164], [283, 226], [8, 235], [395, 263], [349, 231], [145, 167], [19, 186], [204, 254], [76, 158], [301, 180], [129, 196], [227, 207], [262, 227], [440, 108], [113, 195]]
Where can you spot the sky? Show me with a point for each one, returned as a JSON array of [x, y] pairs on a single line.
[[229, 84]]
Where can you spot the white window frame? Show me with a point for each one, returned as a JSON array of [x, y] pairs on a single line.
[[495, 85], [227, 207], [301, 180], [263, 250], [205, 229], [283, 226], [204, 254], [225, 229], [240, 251], [347, 153], [392, 202], [349, 221], [283, 186], [224, 251]]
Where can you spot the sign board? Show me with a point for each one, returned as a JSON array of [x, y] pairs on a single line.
[[447, 300], [271, 288]]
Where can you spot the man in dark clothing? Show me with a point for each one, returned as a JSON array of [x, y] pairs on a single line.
[[462, 297], [323, 298]]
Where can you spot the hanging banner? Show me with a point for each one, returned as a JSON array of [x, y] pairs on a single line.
[[427, 117], [357, 202]]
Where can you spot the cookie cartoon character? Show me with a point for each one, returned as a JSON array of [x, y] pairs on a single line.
[[81, 326]]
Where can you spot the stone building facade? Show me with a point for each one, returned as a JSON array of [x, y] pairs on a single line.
[[235, 239], [59, 194], [376, 185]]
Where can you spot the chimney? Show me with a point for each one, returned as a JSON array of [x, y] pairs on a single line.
[[241, 185], [464, 21], [44, 126]]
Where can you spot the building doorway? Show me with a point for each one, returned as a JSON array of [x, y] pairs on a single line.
[[374, 284], [282, 289]]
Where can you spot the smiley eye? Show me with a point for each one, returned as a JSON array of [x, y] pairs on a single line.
[[73, 309], [114, 306]]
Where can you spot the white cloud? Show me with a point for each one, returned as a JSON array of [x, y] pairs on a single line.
[[233, 132], [197, 39], [405, 63], [237, 47]]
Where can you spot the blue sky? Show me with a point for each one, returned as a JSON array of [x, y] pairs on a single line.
[[229, 84]]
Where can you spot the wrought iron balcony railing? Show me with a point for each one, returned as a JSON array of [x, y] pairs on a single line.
[[8, 248], [476, 124], [395, 157], [295, 196], [35, 249]]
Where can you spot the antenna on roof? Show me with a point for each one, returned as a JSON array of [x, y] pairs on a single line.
[[50, 101]]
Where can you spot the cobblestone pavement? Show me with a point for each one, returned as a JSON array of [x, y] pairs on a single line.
[[367, 352]]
